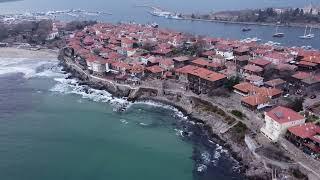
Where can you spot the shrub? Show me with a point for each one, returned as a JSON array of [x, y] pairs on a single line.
[[238, 114]]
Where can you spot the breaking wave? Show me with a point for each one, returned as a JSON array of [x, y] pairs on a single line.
[[176, 111], [29, 68], [72, 86]]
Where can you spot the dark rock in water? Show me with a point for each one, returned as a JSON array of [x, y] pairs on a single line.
[[82, 83], [69, 77], [184, 133], [198, 133], [86, 90]]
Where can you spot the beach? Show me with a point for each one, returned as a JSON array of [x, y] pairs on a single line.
[[14, 52]]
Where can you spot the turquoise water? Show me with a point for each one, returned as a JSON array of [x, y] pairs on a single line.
[[62, 137], [50, 129]]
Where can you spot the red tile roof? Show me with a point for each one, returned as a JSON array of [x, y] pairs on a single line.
[[260, 62], [88, 41], [255, 100], [181, 58], [301, 75], [253, 68], [254, 78], [155, 69], [200, 62], [209, 53], [166, 62], [207, 74], [269, 92], [307, 63], [245, 87], [307, 130], [313, 59], [186, 69], [120, 64], [275, 82], [282, 115]]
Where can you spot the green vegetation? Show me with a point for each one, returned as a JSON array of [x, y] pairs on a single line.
[[238, 114], [298, 174], [209, 108], [268, 15], [288, 16], [239, 131], [313, 118], [232, 82], [194, 49], [296, 104]]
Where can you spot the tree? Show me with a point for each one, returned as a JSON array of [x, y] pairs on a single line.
[[296, 12], [232, 82], [78, 25], [148, 46], [296, 104], [301, 12]]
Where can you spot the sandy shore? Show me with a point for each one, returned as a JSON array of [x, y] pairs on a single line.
[[12, 52]]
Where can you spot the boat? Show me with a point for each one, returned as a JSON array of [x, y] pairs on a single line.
[[249, 40], [307, 36], [154, 25], [175, 16], [277, 34], [160, 13], [246, 29]]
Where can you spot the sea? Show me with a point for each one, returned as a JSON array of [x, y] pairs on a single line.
[[53, 128], [131, 11]]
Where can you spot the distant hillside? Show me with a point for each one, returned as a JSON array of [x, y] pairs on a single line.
[[268, 15], [8, 0]]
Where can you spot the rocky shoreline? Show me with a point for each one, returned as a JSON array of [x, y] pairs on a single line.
[[206, 132]]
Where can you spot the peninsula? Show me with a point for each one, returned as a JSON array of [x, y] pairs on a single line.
[[308, 15], [261, 100], [257, 100]]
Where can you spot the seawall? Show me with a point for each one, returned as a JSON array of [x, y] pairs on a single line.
[[211, 118]]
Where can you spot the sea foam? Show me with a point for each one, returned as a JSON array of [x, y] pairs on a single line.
[[29, 67]]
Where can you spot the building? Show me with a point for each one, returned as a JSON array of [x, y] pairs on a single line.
[[244, 88], [166, 64], [200, 62], [255, 80], [208, 54], [260, 62], [155, 71], [278, 120], [276, 83], [255, 102], [181, 61], [225, 51], [242, 60], [202, 81], [99, 66], [307, 137], [279, 57], [241, 51], [253, 70], [182, 73]]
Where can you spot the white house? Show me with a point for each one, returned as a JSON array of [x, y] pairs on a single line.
[[54, 32], [225, 52], [99, 67], [278, 120]]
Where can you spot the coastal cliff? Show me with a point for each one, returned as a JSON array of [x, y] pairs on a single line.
[[216, 124]]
